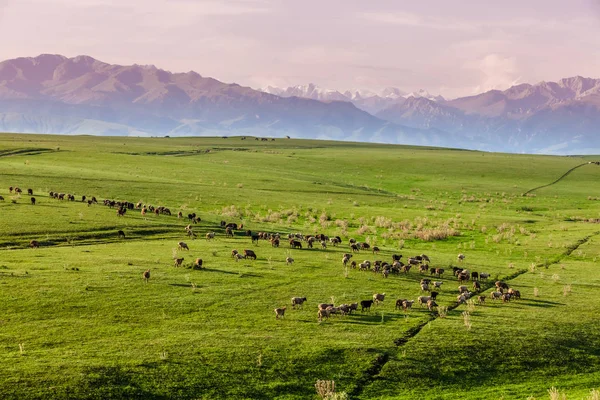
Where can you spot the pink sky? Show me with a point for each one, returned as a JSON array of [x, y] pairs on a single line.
[[454, 48]]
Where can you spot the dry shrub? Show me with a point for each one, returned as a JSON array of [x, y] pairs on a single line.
[[566, 290], [364, 229], [536, 292], [436, 234], [442, 311], [556, 395], [594, 395], [383, 222], [467, 320], [230, 211]]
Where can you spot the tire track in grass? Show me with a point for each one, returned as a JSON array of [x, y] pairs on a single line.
[[561, 177], [371, 374]]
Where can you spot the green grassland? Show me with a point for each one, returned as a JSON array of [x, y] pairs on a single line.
[[77, 321]]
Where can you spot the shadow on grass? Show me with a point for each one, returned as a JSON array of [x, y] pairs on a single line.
[[541, 303]]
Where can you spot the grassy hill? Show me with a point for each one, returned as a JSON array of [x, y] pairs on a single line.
[[77, 321]]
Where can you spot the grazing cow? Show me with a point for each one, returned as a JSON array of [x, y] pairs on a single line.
[[298, 301], [378, 298], [413, 261], [399, 303], [34, 244], [198, 263], [480, 299], [407, 304], [345, 260], [249, 254], [506, 297], [434, 295], [461, 257], [501, 285], [121, 234], [461, 298], [463, 277], [423, 300], [295, 244], [182, 246], [178, 262], [238, 257], [274, 242], [423, 268], [323, 244], [146, 275], [228, 232], [323, 313], [430, 304], [233, 253], [254, 237], [406, 268], [33, 201], [495, 295], [514, 293], [353, 264], [30, 192], [385, 272], [366, 305], [335, 241], [1, 198], [462, 289], [10, 189], [396, 257], [18, 190], [476, 286], [424, 287], [483, 276], [437, 285], [474, 276], [324, 306], [210, 235], [354, 247], [289, 260], [425, 258], [280, 312], [364, 246]]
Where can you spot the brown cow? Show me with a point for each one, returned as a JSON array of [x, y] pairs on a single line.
[[178, 262], [249, 254]]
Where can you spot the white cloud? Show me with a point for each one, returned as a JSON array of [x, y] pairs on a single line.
[[496, 71]]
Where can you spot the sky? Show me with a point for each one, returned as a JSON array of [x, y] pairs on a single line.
[[449, 47]]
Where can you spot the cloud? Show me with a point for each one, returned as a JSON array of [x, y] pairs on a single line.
[[497, 72], [416, 21]]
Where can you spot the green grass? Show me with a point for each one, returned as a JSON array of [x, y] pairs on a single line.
[[77, 321]]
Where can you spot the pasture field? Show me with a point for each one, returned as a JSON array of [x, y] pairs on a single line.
[[77, 321]]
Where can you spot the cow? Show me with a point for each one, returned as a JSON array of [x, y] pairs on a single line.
[[249, 254], [121, 234], [198, 263], [30, 192], [378, 298], [366, 305], [33, 201], [178, 262], [34, 244], [298, 301], [182, 246], [210, 235]]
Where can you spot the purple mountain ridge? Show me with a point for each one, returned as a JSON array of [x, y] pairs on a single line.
[[81, 95]]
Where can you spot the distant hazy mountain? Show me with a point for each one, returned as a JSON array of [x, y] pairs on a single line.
[[366, 100], [81, 95], [550, 117]]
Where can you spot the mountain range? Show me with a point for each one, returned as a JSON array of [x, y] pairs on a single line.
[[81, 95]]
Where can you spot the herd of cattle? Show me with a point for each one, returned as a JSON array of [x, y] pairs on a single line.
[[297, 241]]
